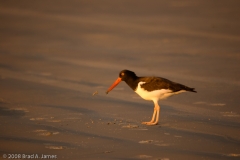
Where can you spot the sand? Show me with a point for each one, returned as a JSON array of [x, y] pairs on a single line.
[[58, 58]]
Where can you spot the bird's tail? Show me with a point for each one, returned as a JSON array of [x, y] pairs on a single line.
[[191, 89]]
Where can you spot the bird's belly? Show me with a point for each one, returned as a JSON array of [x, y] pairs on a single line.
[[154, 95]]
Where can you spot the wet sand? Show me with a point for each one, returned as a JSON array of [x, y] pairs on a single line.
[[54, 55]]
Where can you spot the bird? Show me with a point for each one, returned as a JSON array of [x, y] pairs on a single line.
[[152, 89]]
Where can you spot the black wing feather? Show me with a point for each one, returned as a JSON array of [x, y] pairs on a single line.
[[157, 83]]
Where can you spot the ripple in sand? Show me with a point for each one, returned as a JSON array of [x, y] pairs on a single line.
[[72, 118], [42, 132], [230, 114], [18, 109], [211, 104], [200, 102], [145, 141], [232, 155], [157, 143], [130, 126], [141, 129], [39, 73], [54, 120], [37, 119], [54, 147], [178, 136], [144, 156], [162, 144], [48, 133], [217, 104]]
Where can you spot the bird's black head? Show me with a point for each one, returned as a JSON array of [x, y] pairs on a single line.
[[126, 74]]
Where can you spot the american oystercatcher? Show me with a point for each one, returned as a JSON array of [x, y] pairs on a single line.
[[151, 88]]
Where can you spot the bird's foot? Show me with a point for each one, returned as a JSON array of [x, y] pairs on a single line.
[[150, 123]]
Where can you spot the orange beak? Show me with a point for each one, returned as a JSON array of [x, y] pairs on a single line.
[[114, 84]]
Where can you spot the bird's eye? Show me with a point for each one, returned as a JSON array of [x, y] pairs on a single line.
[[122, 74]]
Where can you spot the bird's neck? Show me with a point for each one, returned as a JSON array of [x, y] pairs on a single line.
[[132, 82]]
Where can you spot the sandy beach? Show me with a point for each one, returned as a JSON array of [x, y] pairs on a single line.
[[58, 58]]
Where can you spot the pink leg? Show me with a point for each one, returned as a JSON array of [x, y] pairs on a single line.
[[155, 117]]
